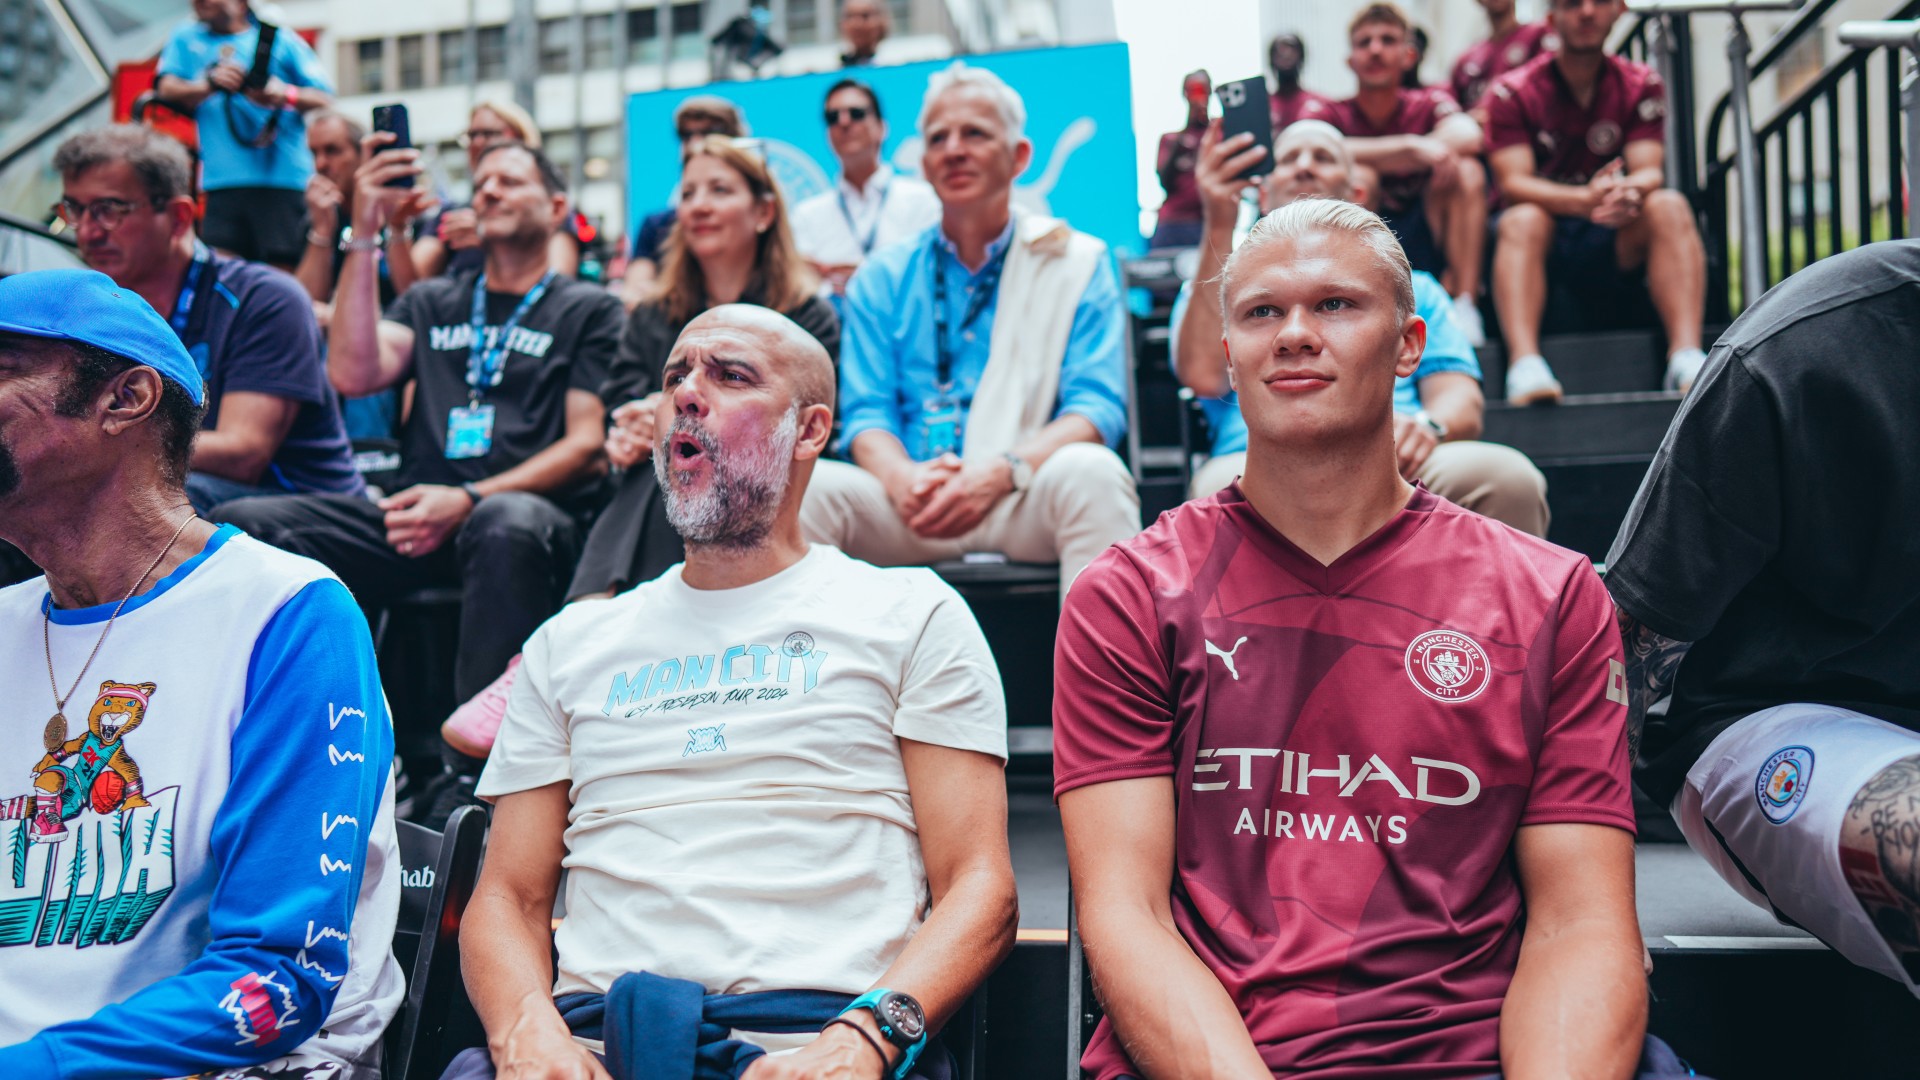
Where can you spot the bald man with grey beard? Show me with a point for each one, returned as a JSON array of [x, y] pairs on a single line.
[[760, 768]]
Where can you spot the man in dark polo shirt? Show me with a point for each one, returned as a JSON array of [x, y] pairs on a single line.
[[1576, 143], [1432, 190], [1509, 44], [1342, 766], [506, 430], [273, 424], [1768, 576]]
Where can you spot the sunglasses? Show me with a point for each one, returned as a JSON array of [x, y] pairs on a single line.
[[481, 136], [853, 113]]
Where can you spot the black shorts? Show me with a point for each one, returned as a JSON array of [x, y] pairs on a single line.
[[1416, 237], [261, 224]]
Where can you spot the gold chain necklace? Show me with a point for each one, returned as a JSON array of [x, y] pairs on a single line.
[[56, 731]]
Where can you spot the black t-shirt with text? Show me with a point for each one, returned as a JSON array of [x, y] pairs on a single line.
[[564, 343], [1779, 528]]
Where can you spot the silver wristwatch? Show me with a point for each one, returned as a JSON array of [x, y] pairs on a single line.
[[1425, 420], [1021, 472]]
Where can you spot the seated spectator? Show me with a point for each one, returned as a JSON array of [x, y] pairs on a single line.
[[1510, 43], [272, 423], [864, 24], [772, 871], [1426, 153], [695, 118], [1178, 222], [1437, 411], [1577, 150], [733, 247], [1343, 788], [872, 206], [172, 910], [503, 443], [335, 141], [980, 423], [1768, 578], [1288, 101], [449, 242], [253, 146]]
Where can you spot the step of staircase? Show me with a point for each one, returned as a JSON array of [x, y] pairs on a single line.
[[1608, 362], [1585, 427]]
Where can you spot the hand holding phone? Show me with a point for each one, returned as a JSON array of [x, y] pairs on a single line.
[[1243, 106]]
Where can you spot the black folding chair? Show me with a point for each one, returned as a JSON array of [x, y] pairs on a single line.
[[438, 873]]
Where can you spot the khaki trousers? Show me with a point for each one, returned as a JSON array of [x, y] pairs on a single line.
[[1486, 478], [1081, 501]]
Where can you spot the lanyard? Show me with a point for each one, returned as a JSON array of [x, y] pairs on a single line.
[[183, 307], [486, 365], [989, 283], [866, 242]]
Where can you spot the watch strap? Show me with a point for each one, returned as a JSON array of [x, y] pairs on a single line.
[[473, 492]]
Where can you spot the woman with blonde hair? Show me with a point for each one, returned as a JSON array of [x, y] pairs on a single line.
[[449, 242], [730, 245]]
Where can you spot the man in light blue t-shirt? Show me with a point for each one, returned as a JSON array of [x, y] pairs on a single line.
[[1438, 410], [253, 141]]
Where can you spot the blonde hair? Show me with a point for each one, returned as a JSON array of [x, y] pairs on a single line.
[[781, 277], [1315, 214], [516, 117]]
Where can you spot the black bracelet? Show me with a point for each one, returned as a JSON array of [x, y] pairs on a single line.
[[886, 1067]]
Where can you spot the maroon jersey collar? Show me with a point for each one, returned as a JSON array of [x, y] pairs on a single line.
[[1359, 560]]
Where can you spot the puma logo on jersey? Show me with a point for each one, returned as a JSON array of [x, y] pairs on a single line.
[[1226, 655]]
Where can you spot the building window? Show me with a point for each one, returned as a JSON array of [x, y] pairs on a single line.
[[643, 36], [492, 52], [599, 31], [413, 62], [556, 46], [803, 22], [689, 31], [453, 57], [370, 58]]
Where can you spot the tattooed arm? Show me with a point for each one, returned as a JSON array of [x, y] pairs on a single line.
[[1652, 660], [1880, 857]]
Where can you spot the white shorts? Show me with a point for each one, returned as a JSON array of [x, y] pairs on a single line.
[[1765, 803]]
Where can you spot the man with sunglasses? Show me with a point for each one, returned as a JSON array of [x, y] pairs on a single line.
[[253, 138], [273, 424], [872, 206]]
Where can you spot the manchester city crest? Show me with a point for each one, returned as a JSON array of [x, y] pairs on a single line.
[[1782, 783], [1447, 666]]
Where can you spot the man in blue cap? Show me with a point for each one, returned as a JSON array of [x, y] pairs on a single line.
[[172, 908]]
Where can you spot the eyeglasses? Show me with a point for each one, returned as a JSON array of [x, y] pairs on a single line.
[[483, 135], [106, 213], [853, 113]]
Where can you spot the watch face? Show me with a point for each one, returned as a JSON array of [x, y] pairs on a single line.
[[903, 1015]]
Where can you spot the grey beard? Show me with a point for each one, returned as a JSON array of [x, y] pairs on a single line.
[[737, 509]]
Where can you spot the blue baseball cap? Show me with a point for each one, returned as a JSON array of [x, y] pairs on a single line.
[[86, 306]]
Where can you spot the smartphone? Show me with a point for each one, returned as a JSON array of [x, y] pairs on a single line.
[[393, 118], [1243, 109], [262, 68]]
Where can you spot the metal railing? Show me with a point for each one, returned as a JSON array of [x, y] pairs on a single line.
[[1665, 41], [1807, 135], [26, 244]]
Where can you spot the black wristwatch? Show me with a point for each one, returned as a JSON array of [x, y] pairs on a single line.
[[473, 492]]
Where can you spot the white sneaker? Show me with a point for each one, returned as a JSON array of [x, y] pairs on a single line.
[[1683, 367], [1530, 382], [1466, 315]]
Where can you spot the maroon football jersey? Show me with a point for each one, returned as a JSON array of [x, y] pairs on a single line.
[[1352, 749], [1286, 109], [1480, 65], [1418, 112], [1533, 106]]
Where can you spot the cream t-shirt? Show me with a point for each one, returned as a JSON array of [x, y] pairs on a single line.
[[740, 814]]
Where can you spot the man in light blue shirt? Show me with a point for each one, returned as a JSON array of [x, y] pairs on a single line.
[[980, 418], [253, 142], [1438, 410]]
